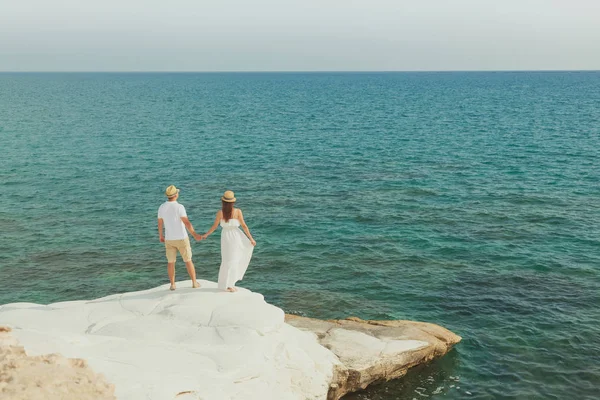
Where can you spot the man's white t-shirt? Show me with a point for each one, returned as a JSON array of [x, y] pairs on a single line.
[[171, 212]]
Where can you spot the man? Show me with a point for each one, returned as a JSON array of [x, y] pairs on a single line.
[[173, 217]]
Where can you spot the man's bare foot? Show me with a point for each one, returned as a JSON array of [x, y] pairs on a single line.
[[230, 289], [172, 287], [195, 285]]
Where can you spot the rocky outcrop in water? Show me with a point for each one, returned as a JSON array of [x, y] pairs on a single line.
[[375, 351], [200, 344]]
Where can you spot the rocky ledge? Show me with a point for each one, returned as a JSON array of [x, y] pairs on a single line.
[[375, 351], [201, 344]]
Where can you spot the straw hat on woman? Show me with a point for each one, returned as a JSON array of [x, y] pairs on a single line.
[[236, 248]]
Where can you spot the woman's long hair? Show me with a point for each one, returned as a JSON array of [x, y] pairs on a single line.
[[227, 210]]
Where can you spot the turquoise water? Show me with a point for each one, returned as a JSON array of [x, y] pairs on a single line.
[[471, 200]]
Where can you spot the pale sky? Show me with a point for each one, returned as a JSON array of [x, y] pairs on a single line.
[[298, 35]]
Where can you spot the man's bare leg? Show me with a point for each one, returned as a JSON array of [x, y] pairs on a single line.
[[171, 270], [192, 272]]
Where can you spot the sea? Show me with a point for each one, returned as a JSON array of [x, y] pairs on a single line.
[[465, 199]]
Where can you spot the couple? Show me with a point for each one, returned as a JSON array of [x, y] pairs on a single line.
[[236, 248]]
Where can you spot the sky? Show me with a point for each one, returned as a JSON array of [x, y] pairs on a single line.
[[299, 35]]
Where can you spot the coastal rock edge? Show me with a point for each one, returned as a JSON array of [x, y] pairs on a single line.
[[202, 344], [375, 351]]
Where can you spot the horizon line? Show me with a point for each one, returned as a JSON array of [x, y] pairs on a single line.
[[285, 71]]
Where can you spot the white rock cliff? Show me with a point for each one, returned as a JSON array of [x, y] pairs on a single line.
[[206, 344]]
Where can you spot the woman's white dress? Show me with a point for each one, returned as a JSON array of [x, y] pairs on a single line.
[[236, 251]]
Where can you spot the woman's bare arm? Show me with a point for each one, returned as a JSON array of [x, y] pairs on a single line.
[[215, 224]]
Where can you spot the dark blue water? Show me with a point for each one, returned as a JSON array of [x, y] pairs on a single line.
[[470, 200]]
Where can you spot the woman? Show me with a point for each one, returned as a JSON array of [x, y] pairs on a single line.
[[236, 249]]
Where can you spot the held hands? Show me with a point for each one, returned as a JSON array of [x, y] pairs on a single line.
[[198, 237], [203, 237]]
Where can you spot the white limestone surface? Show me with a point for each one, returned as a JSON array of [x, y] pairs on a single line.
[[185, 344]]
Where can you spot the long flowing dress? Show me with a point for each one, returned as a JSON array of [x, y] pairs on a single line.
[[236, 251]]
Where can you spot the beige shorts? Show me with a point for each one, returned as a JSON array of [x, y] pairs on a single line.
[[182, 245]]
